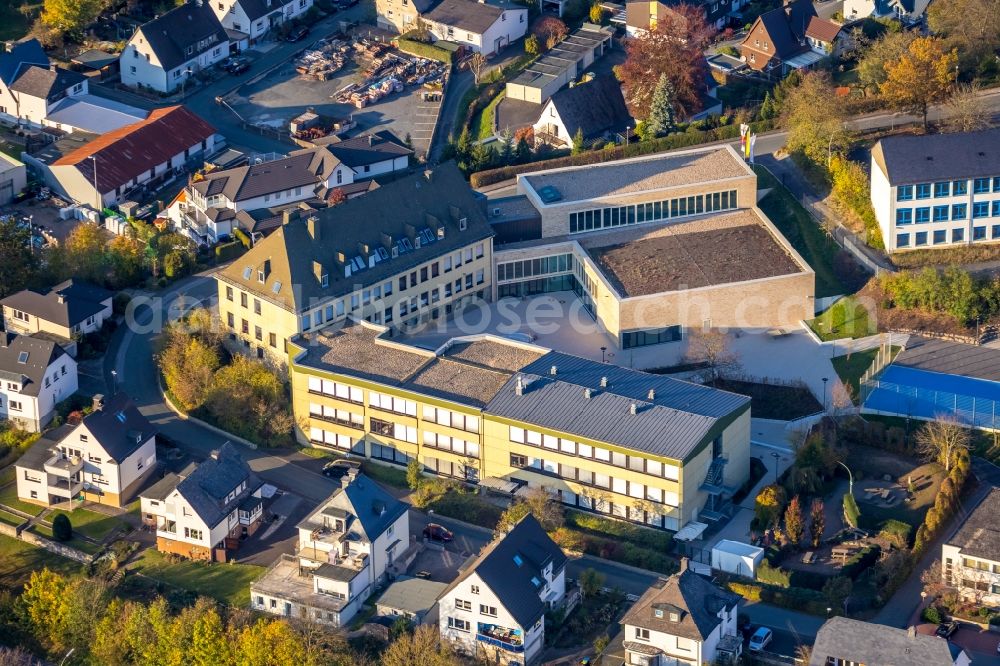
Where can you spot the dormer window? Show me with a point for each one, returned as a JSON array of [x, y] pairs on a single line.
[[261, 277]]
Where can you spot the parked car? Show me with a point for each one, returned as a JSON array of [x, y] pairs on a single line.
[[297, 33], [339, 468], [946, 629], [237, 65], [436, 532], [760, 639]]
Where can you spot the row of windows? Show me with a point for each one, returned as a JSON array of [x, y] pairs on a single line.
[[980, 564], [398, 431], [940, 236], [390, 454], [569, 447], [336, 390], [636, 511], [339, 416], [651, 336], [337, 441], [446, 417], [946, 188], [632, 489], [618, 216], [980, 209], [516, 270], [456, 470], [390, 403], [453, 444]]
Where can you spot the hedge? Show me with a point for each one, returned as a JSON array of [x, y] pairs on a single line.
[[793, 598], [627, 532], [425, 50], [614, 549], [227, 251], [671, 142]]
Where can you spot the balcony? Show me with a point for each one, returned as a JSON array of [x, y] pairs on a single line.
[[64, 487], [510, 640], [65, 466]]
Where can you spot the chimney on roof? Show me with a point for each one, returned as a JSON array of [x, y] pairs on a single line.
[[553, 370], [289, 215], [386, 241], [60, 299], [5, 338], [52, 67], [684, 565], [651, 396], [911, 631], [363, 250], [98, 402], [604, 382], [440, 232], [318, 272], [371, 139], [312, 224], [633, 409], [519, 386], [410, 230], [428, 174], [586, 394]]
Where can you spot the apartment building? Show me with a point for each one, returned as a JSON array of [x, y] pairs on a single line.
[[505, 414], [346, 548], [495, 609], [416, 249], [842, 641], [684, 620], [203, 512], [939, 190], [35, 375], [657, 245], [105, 458], [215, 204], [970, 560], [485, 26], [255, 18], [66, 311]]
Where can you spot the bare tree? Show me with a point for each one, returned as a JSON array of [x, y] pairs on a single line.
[[477, 64], [711, 347], [933, 579], [967, 110], [942, 440]]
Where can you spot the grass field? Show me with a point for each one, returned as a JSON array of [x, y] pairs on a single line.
[[850, 368], [816, 246], [75, 542], [89, 523], [847, 318], [10, 518], [14, 24], [228, 583], [482, 124], [18, 559]]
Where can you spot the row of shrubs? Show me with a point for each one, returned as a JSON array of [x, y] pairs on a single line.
[[793, 598], [614, 549], [425, 50], [775, 576], [601, 526], [669, 142]]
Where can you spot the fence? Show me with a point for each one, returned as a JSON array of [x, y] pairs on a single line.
[[928, 404], [882, 359]]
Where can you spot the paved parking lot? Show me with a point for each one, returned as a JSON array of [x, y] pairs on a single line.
[[283, 94]]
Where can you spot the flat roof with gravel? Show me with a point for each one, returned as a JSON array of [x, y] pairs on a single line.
[[720, 249], [640, 174], [467, 371]]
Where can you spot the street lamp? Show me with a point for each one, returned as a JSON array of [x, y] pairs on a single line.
[[777, 457], [97, 192], [850, 487], [603, 350], [114, 382], [828, 611], [68, 655], [825, 380]]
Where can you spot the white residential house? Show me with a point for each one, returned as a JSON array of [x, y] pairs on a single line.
[[909, 11], [970, 560], [165, 52], [66, 311], [842, 640], [35, 374], [215, 204], [484, 27], [684, 620], [256, 18], [203, 512], [346, 548], [496, 608], [104, 458], [938, 190], [30, 86]]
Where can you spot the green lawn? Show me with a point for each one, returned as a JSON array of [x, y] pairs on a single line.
[[89, 523], [79, 544], [847, 318], [18, 559], [228, 583], [812, 242], [10, 518], [850, 368], [14, 24], [482, 124], [385, 474], [8, 497]]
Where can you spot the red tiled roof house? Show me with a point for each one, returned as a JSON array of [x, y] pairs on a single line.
[[143, 155]]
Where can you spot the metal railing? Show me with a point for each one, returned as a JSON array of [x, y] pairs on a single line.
[[923, 403]]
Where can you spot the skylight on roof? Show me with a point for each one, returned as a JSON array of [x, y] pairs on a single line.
[[247, 272], [535, 581], [518, 560], [22, 357], [120, 416], [276, 287]]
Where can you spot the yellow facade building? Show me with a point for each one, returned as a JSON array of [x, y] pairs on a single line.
[[417, 249], [506, 415]]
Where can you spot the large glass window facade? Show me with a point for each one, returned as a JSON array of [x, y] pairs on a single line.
[[654, 211]]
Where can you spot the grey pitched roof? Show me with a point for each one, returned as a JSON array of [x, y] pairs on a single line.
[[172, 33], [39, 452], [673, 424], [468, 15], [877, 645], [248, 182], [439, 198], [369, 508], [510, 581], [697, 601], [368, 149], [66, 304], [952, 358], [979, 535], [922, 159], [119, 427], [38, 355], [206, 488], [595, 108], [44, 82], [24, 54]]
